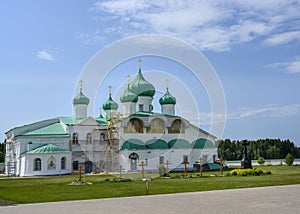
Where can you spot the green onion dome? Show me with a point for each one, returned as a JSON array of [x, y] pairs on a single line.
[[142, 87], [81, 99], [128, 96], [167, 99], [110, 104]]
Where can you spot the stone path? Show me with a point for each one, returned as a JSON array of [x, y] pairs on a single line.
[[279, 199]]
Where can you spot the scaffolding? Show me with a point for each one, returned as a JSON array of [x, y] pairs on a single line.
[[10, 160], [111, 159]]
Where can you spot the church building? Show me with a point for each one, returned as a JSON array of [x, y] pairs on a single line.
[[130, 137]]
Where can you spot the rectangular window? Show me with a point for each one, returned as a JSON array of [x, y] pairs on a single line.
[[75, 165], [141, 107], [161, 160], [37, 165]]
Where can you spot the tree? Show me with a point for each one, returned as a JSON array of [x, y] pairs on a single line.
[[1, 157], [289, 159], [260, 160], [161, 170]]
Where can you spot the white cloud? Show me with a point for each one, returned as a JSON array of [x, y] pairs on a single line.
[[209, 25], [283, 38], [46, 55], [269, 111], [292, 67]]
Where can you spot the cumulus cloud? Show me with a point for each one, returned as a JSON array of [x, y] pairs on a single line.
[[209, 25], [46, 55]]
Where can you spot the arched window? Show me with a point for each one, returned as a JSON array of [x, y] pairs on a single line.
[[75, 138], [37, 165], [63, 163], [177, 127], [88, 138], [134, 126], [51, 163], [157, 126]]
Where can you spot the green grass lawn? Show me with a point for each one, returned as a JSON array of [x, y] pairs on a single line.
[[47, 189]]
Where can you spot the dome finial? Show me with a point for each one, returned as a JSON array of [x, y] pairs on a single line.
[[139, 63], [128, 80], [80, 85], [167, 84], [109, 88], [101, 112]]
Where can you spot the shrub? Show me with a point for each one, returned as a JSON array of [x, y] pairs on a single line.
[[260, 160], [161, 170], [245, 172], [289, 159]]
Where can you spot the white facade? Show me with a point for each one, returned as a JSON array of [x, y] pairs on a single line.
[[168, 109], [62, 145], [50, 164]]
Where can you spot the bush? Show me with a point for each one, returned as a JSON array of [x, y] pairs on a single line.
[[161, 170], [245, 172], [260, 160], [289, 159]]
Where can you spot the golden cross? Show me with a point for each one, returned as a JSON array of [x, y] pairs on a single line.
[[128, 79], [109, 88], [167, 83], [80, 84], [143, 170], [139, 62], [167, 168], [185, 162]]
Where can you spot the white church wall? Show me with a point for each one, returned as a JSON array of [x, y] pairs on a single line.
[[27, 161]]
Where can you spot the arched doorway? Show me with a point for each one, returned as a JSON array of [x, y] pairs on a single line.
[[133, 161]]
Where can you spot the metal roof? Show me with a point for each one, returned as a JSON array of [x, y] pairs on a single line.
[[46, 149]]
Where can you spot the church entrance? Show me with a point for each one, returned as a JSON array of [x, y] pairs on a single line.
[[88, 166], [133, 161]]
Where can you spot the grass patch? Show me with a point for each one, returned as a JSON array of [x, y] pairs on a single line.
[[49, 189]]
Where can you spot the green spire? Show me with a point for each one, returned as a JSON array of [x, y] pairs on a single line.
[[140, 86], [81, 98], [128, 95], [110, 104], [167, 98]]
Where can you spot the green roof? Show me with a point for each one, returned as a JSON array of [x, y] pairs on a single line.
[[167, 99], [110, 104], [48, 148], [156, 144], [179, 144], [54, 129], [101, 120], [141, 87], [128, 96], [203, 143], [81, 99], [133, 144], [213, 166]]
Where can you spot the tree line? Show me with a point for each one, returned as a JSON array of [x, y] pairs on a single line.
[[2, 152], [266, 148]]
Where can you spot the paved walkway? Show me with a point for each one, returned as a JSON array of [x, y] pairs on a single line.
[[279, 199]]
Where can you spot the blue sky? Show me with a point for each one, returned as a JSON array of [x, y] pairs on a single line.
[[254, 47]]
